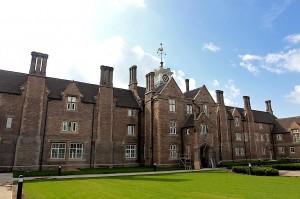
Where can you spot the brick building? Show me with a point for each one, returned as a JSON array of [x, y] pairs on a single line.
[[45, 122]]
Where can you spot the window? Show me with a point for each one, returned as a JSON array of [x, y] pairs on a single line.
[[173, 151], [292, 149], [256, 137], [188, 152], [280, 149], [260, 125], [246, 137], [130, 130], [187, 131], [172, 127], [295, 134], [76, 150], [263, 150], [239, 151], [236, 121], [205, 109], [130, 112], [9, 122], [69, 126], [58, 150], [238, 137], [279, 137], [203, 129], [130, 151], [71, 105], [189, 109], [262, 138], [172, 105], [268, 137]]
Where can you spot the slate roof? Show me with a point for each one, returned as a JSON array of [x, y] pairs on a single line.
[[192, 93], [189, 122], [10, 82], [229, 113], [141, 92], [282, 125]]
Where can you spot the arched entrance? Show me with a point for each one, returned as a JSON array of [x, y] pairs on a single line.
[[206, 156]]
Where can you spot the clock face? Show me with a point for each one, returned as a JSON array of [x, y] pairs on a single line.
[[165, 78]]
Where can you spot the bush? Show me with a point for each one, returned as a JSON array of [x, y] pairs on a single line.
[[255, 170], [290, 166]]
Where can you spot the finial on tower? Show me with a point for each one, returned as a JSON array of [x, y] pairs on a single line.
[[161, 52]]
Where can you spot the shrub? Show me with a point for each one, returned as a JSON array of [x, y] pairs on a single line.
[[290, 166], [255, 170]]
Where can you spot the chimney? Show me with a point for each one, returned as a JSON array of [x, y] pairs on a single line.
[[106, 77], [38, 64], [269, 107], [187, 85], [247, 105], [220, 97], [150, 82], [132, 78]]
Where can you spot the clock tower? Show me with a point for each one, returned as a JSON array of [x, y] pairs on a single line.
[[162, 75]]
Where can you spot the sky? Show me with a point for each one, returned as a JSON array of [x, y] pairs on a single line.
[[243, 47]]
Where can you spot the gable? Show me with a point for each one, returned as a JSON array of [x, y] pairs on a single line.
[[171, 89], [294, 125], [203, 96]]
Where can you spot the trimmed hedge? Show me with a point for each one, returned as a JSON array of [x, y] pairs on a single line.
[[290, 166], [255, 170], [267, 163]]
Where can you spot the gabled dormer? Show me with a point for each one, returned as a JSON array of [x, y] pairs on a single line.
[[71, 96]]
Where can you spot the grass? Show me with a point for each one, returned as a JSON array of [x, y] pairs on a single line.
[[204, 184], [89, 171]]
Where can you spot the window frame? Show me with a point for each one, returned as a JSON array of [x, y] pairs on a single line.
[[173, 151], [279, 137], [59, 150], [246, 138], [203, 129], [130, 112], [9, 121], [280, 149], [78, 151], [236, 121], [130, 151], [238, 137], [71, 103], [292, 149], [172, 105], [205, 109], [173, 127], [295, 135], [189, 109], [130, 129], [69, 126]]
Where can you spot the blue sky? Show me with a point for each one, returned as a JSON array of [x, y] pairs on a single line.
[[243, 47]]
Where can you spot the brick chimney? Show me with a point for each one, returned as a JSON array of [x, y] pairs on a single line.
[[106, 77], [38, 64], [269, 107], [247, 105], [150, 82], [187, 85], [132, 78], [220, 97]]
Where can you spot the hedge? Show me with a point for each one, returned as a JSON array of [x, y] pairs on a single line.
[[290, 166], [255, 170]]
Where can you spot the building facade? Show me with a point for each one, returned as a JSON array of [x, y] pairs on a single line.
[[46, 122]]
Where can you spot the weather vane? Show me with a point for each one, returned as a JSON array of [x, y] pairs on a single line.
[[161, 52]]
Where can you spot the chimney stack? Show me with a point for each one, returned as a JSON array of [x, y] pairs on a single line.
[[38, 64], [187, 85], [247, 105], [220, 97], [106, 77], [150, 82], [269, 107], [132, 78]]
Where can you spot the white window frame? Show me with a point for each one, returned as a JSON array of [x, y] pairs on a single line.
[[279, 137], [237, 150], [238, 136], [205, 109], [9, 121], [69, 126], [260, 126], [236, 121], [187, 131], [263, 150], [246, 137], [189, 109], [268, 137], [262, 139], [172, 105], [130, 130], [242, 151], [295, 135], [130, 112], [256, 136], [173, 151], [71, 104], [58, 150], [203, 129], [280, 149], [173, 129], [292, 149], [130, 151], [76, 151]]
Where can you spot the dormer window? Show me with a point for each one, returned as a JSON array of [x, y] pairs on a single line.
[[71, 104], [189, 109], [236, 121]]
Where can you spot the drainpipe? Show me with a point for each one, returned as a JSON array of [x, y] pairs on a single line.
[[219, 136], [273, 144], [92, 138], [152, 127], [43, 137]]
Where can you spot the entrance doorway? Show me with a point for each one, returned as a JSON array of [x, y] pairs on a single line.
[[204, 156]]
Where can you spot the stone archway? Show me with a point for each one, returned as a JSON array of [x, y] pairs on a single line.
[[206, 155]]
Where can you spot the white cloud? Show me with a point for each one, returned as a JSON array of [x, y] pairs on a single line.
[[227, 100], [293, 39], [211, 47], [275, 11], [179, 77], [232, 88], [294, 96], [273, 62], [215, 83], [125, 3]]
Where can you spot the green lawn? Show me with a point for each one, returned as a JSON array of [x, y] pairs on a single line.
[[204, 184]]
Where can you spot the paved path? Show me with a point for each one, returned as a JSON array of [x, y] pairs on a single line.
[[6, 180]]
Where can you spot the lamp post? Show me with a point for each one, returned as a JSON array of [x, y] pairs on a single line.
[[20, 186]]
